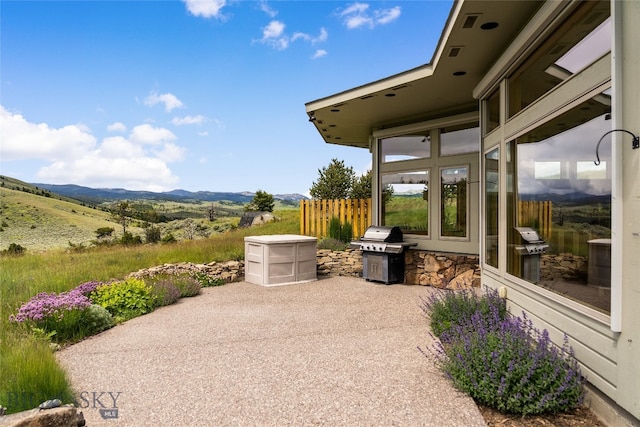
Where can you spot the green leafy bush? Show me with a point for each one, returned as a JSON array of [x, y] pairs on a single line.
[[96, 319], [125, 299], [502, 361]]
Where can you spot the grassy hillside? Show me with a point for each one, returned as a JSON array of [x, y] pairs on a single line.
[[37, 223], [27, 364]]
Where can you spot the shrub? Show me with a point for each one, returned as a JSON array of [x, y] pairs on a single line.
[[206, 281], [187, 285], [124, 299], [129, 239], [334, 228], [332, 244], [164, 292], [339, 231], [447, 308], [169, 238], [96, 319], [505, 363], [15, 249], [58, 313]]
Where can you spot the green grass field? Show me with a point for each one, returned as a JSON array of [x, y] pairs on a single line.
[[30, 373]]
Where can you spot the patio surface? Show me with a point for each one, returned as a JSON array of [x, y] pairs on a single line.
[[339, 351]]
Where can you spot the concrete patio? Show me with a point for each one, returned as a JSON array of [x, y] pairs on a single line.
[[338, 351]]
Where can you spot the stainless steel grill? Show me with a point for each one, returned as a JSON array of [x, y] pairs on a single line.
[[529, 251], [382, 254]]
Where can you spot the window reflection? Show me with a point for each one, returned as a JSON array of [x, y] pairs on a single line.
[[405, 147], [453, 207], [552, 167], [491, 187], [459, 140], [583, 38], [405, 201]]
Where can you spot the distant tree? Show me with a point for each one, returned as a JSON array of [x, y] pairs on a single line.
[[122, 213], [361, 187], [211, 211], [152, 234], [334, 181], [189, 228], [261, 202]]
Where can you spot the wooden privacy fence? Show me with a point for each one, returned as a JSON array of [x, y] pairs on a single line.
[[536, 215], [316, 214]]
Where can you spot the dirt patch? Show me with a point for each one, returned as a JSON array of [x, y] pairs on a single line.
[[579, 417]]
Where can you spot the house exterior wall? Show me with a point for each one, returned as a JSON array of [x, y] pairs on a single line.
[[627, 87], [606, 344]]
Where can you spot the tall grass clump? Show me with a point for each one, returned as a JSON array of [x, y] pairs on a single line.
[[503, 361], [30, 374]]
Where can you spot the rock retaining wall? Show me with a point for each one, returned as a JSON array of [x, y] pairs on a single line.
[[563, 266], [230, 271], [441, 270]]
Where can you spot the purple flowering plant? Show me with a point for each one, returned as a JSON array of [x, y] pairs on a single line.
[[504, 362], [51, 312]]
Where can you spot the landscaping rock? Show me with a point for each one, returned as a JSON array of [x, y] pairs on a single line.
[[63, 416]]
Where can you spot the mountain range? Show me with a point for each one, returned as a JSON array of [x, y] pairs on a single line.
[[96, 195]]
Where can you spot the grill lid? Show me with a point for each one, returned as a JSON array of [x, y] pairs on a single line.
[[377, 233], [529, 235]]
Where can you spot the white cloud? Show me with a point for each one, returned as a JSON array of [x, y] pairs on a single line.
[[322, 37], [267, 9], [169, 100], [24, 140], [188, 120], [147, 134], [206, 8], [319, 54], [358, 15], [134, 173], [117, 146], [385, 16], [117, 127], [273, 35], [203, 133], [73, 155], [171, 153]]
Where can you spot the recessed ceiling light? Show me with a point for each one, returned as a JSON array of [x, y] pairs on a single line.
[[390, 95], [489, 25], [459, 73], [338, 137], [332, 126], [335, 110]]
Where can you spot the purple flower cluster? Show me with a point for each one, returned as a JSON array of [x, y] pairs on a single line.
[[46, 306], [506, 363], [87, 287]]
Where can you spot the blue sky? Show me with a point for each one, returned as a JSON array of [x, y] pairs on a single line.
[[197, 95]]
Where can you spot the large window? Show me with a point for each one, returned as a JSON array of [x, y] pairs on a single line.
[[453, 203], [405, 201], [554, 188], [491, 213], [583, 38], [405, 147]]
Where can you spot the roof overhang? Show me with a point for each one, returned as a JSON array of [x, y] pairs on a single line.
[[469, 45]]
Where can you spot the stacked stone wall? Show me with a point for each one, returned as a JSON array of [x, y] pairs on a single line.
[[563, 266], [442, 270], [339, 263]]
